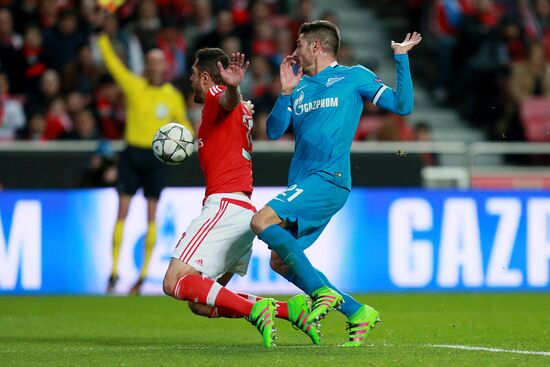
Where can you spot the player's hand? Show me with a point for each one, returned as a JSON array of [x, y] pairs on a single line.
[[289, 80], [234, 73], [405, 46], [249, 106]]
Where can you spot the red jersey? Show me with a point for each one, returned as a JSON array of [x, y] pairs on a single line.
[[225, 146]]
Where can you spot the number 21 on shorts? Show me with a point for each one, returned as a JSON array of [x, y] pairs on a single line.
[[292, 192]]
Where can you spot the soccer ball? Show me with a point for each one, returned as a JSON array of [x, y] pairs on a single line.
[[173, 143]]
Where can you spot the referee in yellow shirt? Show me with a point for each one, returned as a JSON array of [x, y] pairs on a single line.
[[150, 103]]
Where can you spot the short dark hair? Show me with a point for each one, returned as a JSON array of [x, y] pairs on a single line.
[[324, 31], [207, 60]]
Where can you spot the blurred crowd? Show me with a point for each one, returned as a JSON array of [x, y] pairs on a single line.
[[53, 84], [492, 62]]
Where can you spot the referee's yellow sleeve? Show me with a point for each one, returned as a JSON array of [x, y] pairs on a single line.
[[120, 73]]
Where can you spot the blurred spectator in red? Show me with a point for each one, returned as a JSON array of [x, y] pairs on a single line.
[[58, 121], [82, 74], [128, 11], [265, 101], [260, 12], [125, 43], [175, 10], [240, 11], [225, 27], [304, 13], [12, 117], [423, 133], [514, 39], [528, 79], [285, 45], [448, 18], [110, 109], [25, 13], [542, 10], [146, 26], [263, 42], [84, 127], [75, 102], [394, 128], [171, 42], [372, 119], [49, 91], [48, 13], [201, 23], [33, 54], [61, 43], [262, 72]]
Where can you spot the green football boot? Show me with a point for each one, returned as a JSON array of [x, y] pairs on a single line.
[[359, 326], [298, 315], [324, 300], [262, 317]]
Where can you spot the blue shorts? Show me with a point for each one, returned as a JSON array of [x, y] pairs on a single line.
[[307, 206]]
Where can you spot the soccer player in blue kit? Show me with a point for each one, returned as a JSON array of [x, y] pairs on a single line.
[[323, 101]]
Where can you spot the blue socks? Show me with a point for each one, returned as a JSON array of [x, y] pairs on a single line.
[[350, 305], [304, 275]]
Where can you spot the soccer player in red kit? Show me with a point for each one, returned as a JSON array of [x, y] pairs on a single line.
[[218, 243]]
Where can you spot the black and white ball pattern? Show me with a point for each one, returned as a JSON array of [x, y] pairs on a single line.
[[173, 143]]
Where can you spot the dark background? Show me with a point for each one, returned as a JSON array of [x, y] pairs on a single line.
[[37, 170]]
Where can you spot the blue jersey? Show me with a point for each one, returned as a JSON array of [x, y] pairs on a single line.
[[324, 111]]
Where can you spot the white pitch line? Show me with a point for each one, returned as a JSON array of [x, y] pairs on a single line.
[[487, 349]]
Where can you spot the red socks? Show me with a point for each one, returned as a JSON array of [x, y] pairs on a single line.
[[282, 307], [202, 290]]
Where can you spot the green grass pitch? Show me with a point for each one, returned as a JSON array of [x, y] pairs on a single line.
[[159, 331]]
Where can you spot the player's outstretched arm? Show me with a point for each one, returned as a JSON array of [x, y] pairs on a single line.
[[408, 43], [400, 100], [232, 76]]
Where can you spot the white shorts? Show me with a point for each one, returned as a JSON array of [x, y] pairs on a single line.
[[220, 239]]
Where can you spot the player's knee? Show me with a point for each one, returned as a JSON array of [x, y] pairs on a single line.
[[263, 219], [257, 223], [168, 285]]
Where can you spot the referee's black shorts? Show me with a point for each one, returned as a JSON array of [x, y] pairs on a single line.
[[138, 167]]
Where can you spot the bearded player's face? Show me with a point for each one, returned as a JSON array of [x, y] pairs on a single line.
[[196, 85]]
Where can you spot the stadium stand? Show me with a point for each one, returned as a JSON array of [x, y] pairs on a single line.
[[480, 73]]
